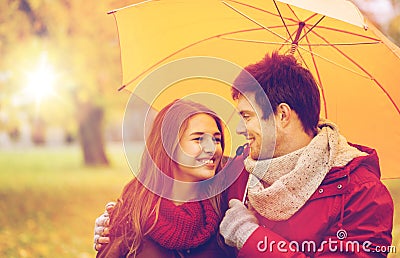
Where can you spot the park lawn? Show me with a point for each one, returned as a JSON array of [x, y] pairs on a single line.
[[49, 201]]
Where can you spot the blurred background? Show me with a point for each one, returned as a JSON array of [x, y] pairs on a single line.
[[61, 154]]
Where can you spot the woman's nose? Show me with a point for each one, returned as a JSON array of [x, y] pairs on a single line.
[[208, 144]]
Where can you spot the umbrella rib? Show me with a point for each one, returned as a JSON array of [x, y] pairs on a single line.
[[120, 53], [340, 44], [122, 8], [252, 20], [349, 33], [283, 21], [288, 42], [296, 21], [180, 50], [305, 34], [347, 57], [321, 86], [262, 10], [219, 36], [369, 76], [315, 14], [294, 13], [334, 63], [256, 41]]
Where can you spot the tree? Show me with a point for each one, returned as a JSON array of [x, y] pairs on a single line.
[[394, 30], [389, 26], [82, 43]]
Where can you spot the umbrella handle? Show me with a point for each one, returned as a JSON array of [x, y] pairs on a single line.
[[241, 148], [245, 191], [239, 151]]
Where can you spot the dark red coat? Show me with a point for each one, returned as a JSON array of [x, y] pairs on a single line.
[[150, 249], [351, 201]]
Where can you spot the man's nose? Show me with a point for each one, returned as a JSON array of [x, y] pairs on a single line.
[[241, 128]]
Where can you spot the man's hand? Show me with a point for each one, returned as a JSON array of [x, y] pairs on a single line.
[[101, 230], [238, 224]]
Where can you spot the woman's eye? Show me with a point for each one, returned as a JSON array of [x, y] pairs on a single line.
[[214, 139], [198, 139], [217, 140]]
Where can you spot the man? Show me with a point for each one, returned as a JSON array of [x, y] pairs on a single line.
[[310, 193], [317, 195]]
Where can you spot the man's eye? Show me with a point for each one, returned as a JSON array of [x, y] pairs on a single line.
[[245, 116]]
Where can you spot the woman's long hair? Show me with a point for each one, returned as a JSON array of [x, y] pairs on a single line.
[[137, 203]]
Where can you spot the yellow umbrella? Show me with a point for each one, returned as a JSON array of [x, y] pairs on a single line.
[[356, 67]]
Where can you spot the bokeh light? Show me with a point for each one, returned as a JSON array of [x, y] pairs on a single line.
[[41, 80]]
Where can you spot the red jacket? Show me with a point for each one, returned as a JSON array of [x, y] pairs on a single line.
[[351, 202]]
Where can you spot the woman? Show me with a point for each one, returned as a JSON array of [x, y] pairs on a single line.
[[154, 217]]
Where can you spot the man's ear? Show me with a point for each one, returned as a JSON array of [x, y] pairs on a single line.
[[284, 113]]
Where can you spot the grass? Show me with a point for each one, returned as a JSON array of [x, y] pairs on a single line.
[[49, 201]]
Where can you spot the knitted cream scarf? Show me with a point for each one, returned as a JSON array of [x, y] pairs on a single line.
[[287, 182]]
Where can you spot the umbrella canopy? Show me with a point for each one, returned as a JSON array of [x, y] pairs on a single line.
[[356, 67]]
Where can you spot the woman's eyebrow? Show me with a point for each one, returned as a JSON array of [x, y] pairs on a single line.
[[201, 133], [196, 133]]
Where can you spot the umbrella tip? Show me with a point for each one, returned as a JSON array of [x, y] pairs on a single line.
[[122, 87]]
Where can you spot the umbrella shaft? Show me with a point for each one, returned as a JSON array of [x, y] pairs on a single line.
[[296, 39]]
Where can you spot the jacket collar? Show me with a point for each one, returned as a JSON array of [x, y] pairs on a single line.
[[370, 161]]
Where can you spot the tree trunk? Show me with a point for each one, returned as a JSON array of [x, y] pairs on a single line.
[[91, 135]]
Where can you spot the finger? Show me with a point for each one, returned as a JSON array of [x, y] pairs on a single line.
[[103, 240], [98, 247], [100, 221], [105, 232], [96, 239], [110, 206], [234, 202], [96, 242], [98, 230]]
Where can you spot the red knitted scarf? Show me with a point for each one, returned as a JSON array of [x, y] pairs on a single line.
[[184, 226]]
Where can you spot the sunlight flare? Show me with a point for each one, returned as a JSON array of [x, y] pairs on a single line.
[[41, 80]]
